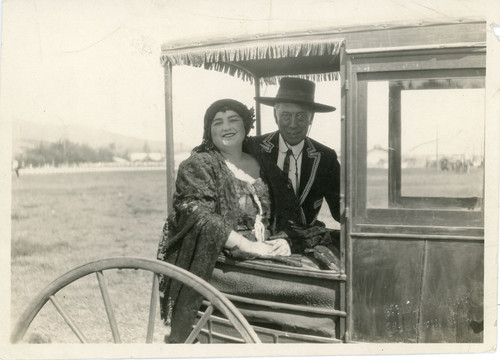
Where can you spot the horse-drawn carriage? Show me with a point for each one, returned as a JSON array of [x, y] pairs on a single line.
[[411, 245]]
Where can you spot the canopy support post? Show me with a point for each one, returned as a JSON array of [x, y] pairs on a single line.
[[258, 128], [169, 137]]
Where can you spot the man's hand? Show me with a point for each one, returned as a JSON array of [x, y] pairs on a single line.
[[324, 256], [310, 235]]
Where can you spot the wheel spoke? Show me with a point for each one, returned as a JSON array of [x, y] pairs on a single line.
[[200, 324], [153, 305], [68, 319], [108, 306]]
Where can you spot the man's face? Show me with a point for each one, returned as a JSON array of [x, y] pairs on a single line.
[[293, 121]]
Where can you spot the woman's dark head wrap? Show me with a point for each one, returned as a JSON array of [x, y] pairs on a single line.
[[246, 114]]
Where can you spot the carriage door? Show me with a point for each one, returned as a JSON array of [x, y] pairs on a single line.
[[415, 195]]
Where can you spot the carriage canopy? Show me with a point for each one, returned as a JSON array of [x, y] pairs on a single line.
[[315, 58]]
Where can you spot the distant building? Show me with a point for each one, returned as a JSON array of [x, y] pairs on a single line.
[[377, 157]]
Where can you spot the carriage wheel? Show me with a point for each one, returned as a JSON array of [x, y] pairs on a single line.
[[214, 297]]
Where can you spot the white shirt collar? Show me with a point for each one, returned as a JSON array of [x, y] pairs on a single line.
[[296, 149]]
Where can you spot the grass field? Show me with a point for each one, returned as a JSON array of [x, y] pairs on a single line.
[[62, 221], [422, 182]]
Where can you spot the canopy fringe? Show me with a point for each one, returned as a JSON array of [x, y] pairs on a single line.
[[221, 57]]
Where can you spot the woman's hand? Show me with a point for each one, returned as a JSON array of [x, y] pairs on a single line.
[[279, 247]]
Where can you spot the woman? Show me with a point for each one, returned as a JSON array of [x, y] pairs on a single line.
[[221, 203]]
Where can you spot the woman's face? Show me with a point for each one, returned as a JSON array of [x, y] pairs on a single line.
[[228, 130]]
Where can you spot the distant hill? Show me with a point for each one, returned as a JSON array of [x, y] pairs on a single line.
[[26, 134]]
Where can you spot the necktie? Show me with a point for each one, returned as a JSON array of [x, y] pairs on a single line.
[[286, 163]]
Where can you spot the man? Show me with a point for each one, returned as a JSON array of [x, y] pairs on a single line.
[[311, 171]]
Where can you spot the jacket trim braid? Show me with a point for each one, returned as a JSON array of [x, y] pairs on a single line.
[[312, 153]]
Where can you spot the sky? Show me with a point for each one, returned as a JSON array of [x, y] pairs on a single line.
[[455, 117], [97, 62]]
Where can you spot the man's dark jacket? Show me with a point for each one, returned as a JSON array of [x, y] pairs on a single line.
[[319, 176]]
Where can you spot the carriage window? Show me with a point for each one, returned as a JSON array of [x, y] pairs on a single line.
[[377, 157], [425, 140]]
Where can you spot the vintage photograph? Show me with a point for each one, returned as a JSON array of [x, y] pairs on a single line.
[[285, 177]]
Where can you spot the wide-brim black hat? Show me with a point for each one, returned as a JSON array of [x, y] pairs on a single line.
[[295, 91]]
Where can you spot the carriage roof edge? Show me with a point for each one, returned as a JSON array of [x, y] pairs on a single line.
[[312, 54]]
